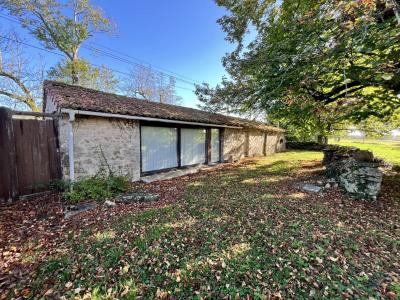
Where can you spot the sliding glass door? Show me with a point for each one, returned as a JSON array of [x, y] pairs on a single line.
[[193, 146], [159, 148], [172, 147]]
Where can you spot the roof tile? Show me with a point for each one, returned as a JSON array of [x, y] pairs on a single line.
[[79, 98]]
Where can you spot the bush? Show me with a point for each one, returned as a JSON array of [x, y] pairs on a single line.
[[59, 185], [314, 146], [97, 187]]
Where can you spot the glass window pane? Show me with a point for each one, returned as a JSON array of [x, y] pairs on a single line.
[[215, 145], [159, 148], [193, 146]]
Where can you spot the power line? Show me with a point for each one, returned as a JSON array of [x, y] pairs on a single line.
[[175, 75], [145, 62], [91, 48], [9, 18], [32, 46], [95, 65]]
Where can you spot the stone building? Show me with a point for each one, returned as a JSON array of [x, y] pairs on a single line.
[[135, 137]]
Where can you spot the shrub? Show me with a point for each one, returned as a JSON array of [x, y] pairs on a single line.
[[59, 185], [97, 187]]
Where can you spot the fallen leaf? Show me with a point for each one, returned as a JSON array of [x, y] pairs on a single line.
[[69, 284], [49, 292], [334, 259]]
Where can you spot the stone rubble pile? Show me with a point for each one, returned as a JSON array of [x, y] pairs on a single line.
[[355, 170]]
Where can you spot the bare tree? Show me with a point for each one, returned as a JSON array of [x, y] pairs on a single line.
[[151, 85], [20, 80]]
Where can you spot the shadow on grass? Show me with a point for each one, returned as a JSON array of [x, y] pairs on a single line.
[[238, 232]]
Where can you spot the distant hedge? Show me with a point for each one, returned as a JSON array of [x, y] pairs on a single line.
[[305, 146]]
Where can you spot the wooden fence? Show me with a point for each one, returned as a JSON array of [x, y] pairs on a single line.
[[29, 153]]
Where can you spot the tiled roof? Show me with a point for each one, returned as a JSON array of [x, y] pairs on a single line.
[[79, 98]]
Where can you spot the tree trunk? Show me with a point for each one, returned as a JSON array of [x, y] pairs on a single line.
[[74, 74]]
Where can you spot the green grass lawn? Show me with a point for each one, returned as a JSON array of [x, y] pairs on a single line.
[[237, 231], [388, 150]]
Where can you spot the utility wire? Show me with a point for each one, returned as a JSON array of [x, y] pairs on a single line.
[[143, 62], [32, 46], [108, 54], [95, 65], [175, 75]]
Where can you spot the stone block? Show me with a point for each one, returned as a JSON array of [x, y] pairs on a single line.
[[139, 197], [312, 188], [356, 170]]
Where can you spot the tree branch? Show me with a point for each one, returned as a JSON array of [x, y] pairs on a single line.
[[23, 99], [53, 35], [342, 88], [27, 99], [16, 80], [336, 93], [333, 99]]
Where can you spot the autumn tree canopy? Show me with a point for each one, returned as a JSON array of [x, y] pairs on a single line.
[[325, 60]]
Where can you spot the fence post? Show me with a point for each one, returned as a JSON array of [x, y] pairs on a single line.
[[8, 169]]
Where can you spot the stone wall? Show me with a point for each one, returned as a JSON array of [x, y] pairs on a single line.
[[281, 143], [256, 143], [235, 144], [312, 146], [102, 142], [355, 170], [240, 143]]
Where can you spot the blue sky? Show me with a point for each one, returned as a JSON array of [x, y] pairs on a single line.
[[179, 35]]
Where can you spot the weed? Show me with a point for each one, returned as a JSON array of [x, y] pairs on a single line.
[[97, 187]]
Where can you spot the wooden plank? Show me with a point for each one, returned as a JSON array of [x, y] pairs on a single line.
[[20, 158], [40, 157], [24, 143], [33, 139], [8, 175], [29, 155]]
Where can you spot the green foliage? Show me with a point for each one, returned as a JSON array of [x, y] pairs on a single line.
[[98, 187], [59, 185], [338, 55], [373, 127], [302, 119], [60, 25], [99, 78]]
